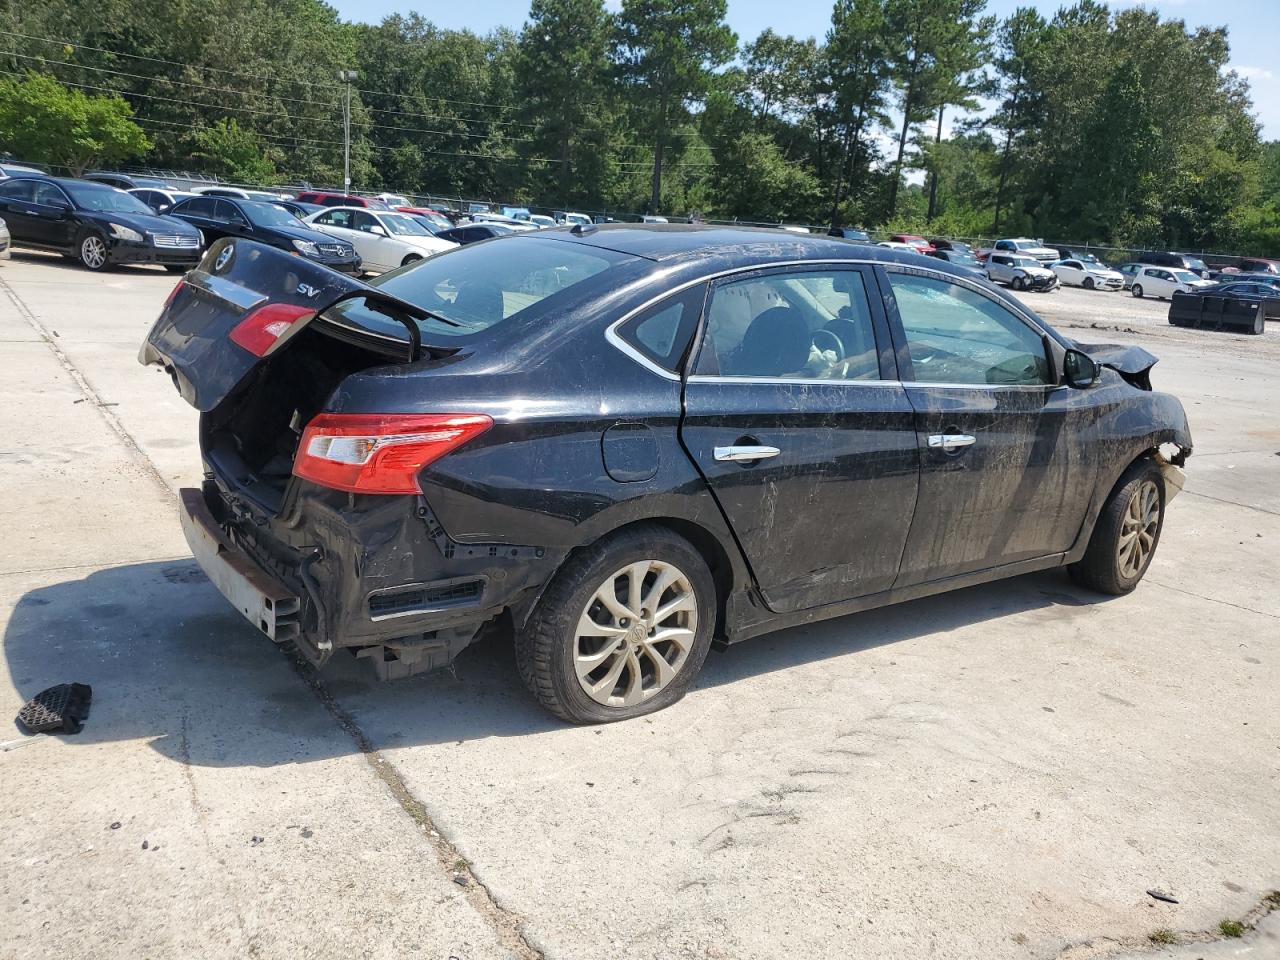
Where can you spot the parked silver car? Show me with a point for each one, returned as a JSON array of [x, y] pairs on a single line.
[[1020, 272], [4, 240]]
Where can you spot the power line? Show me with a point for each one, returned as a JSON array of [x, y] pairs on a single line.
[[309, 83]]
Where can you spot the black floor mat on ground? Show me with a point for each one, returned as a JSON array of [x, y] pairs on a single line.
[[60, 709]]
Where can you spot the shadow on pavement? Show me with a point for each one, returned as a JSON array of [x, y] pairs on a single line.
[[57, 260], [171, 663]]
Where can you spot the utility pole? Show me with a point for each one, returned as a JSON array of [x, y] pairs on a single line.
[[348, 77]]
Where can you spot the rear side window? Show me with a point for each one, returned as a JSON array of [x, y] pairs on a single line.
[[957, 335], [663, 331], [199, 207], [17, 190], [791, 326]]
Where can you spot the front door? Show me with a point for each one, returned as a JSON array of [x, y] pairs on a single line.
[[794, 416], [1008, 458]]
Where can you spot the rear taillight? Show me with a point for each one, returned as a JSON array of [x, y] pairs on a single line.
[[267, 327], [168, 301], [380, 452]]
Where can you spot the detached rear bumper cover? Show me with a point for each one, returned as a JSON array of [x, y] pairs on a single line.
[[267, 603]]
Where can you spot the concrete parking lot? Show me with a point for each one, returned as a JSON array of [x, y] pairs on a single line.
[[1001, 772]]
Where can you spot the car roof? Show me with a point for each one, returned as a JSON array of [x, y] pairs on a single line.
[[676, 242]]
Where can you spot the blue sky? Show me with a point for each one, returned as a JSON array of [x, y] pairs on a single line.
[[1252, 27]]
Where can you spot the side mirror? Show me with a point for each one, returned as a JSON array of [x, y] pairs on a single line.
[[1080, 370], [377, 231]]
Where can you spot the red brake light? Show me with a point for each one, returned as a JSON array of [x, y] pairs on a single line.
[[177, 288], [265, 328], [380, 452]]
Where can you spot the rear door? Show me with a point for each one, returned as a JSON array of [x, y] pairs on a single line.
[[17, 207], [54, 222], [1008, 457], [794, 416]]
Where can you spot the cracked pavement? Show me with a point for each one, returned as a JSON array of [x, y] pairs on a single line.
[[1000, 772]]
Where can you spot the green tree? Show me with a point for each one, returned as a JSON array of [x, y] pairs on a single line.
[[230, 151], [860, 76], [44, 121], [562, 75], [666, 50], [1018, 45]]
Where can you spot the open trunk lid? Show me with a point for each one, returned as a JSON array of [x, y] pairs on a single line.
[[196, 338]]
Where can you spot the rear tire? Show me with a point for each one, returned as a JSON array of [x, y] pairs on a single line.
[[1127, 533], [1137, 290], [640, 660]]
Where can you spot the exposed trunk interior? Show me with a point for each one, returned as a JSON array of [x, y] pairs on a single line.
[[252, 436]]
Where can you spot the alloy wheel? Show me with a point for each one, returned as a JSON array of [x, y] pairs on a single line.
[[1137, 291], [1138, 530], [635, 634], [93, 252]]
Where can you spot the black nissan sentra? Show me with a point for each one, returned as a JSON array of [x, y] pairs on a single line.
[[618, 445]]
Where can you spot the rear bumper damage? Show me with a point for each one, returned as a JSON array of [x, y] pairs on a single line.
[[368, 574]]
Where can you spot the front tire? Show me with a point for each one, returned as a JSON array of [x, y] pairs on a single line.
[[622, 630], [1127, 533], [1137, 290], [92, 251], [1088, 283], [411, 258]]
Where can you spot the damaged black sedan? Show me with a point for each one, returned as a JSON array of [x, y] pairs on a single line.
[[620, 445]]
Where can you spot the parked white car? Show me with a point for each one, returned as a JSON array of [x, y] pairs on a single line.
[[4, 240], [897, 245], [571, 219], [542, 221], [384, 239], [394, 200], [1164, 282], [1091, 276], [1020, 273]]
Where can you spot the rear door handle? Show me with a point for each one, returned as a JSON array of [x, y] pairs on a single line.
[[746, 453], [950, 442]]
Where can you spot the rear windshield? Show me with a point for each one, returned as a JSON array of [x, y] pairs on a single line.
[[481, 284]]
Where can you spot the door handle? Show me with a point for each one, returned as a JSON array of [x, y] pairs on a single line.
[[950, 442], [746, 453]]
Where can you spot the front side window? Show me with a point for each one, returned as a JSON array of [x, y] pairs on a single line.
[[813, 325], [362, 221], [402, 225], [957, 335], [49, 195]]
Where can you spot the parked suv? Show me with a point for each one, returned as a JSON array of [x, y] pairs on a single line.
[[339, 200], [1026, 247], [1177, 261], [1149, 281], [1020, 272]]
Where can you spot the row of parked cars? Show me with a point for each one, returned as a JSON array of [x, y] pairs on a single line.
[[107, 219]]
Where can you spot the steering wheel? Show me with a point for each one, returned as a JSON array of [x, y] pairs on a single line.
[[838, 344]]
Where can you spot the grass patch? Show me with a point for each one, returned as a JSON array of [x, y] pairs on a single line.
[[1231, 928], [1164, 935]]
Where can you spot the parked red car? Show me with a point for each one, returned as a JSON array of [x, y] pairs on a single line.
[[339, 200], [435, 216], [920, 243]]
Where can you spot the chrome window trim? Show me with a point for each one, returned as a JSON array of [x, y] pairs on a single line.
[[612, 335], [808, 381]]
